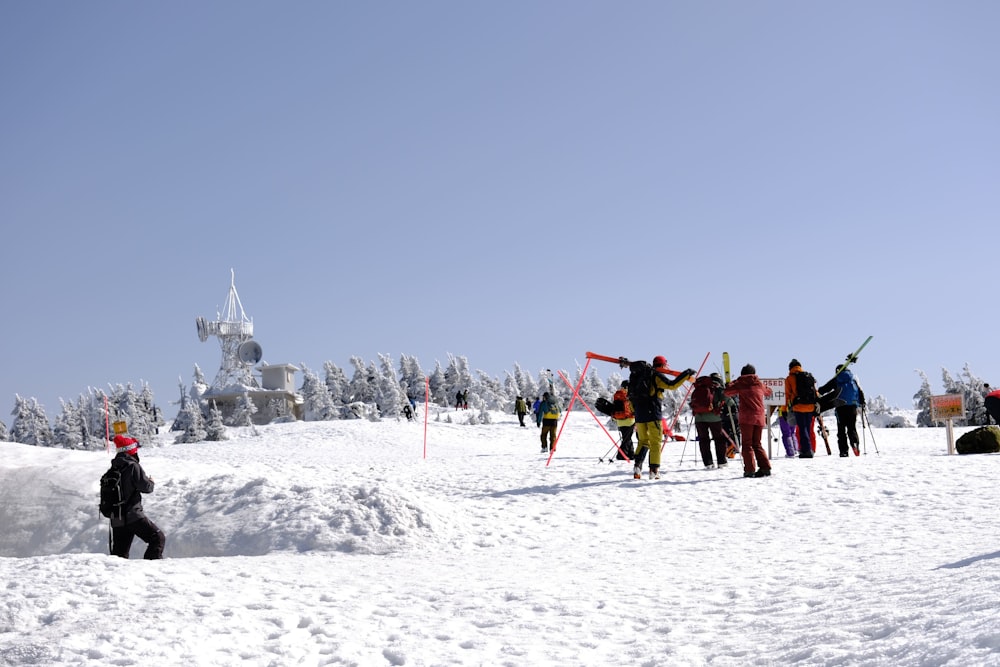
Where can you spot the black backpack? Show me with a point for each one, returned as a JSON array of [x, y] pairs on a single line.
[[640, 382], [112, 498], [805, 388]]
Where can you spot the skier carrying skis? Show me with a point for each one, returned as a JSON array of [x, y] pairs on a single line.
[[847, 398], [645, 389]]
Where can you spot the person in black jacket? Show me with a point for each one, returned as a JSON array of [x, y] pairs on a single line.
[[133, 521]]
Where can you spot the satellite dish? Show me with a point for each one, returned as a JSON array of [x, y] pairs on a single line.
[[250, 352], [202, 329]]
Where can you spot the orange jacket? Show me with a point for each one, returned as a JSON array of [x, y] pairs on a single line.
[[790, 386]]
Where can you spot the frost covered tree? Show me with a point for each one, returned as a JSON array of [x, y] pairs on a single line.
[[974, 390], [523, 383], [180, 421], [4, 433], [456, 377], [922, 400], [336, 384], [30, 426], [411, 378], [317, 404], [488, 394], [69, 430], [362, 386], [215, 430], [388, 396], [245, 410], [439, 387], [194, 422]]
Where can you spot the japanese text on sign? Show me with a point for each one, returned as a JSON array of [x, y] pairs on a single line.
[[947, 406], [777, 386]]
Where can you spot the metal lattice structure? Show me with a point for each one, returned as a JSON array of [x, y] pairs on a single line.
[[235, 332]]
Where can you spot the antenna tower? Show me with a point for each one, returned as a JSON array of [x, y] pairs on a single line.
[[234, 330]]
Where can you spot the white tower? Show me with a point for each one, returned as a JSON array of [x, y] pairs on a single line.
[[235, 332]]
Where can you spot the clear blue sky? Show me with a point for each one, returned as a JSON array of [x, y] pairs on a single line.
[[511, 182]]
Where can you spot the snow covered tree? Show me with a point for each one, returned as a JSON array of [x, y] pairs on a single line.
[[30, 426], [388, 396], [317, 404], [194, 422], [69, 430], [245, 410], [974, 390], [215, 430], [180, 421], [456, 377], [439, 387], [336, 384], [489, 394], [362, 386], [524, 384], [922, 401], [411, 379], [4, 433]]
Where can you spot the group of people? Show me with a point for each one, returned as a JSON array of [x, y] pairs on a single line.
[[722, 430]]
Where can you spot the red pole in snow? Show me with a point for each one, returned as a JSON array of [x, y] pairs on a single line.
[[686, 394], [568, 408], [107, 427]]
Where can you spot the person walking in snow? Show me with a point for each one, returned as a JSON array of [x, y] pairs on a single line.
[[520, 409], [624, 418], [133, 521], [549, 410], [646, 385], [802, 408], [536, 409], [707, 399], [847, 398], [751, 393]]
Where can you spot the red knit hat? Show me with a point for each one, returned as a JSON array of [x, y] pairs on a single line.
[[659, 361], [126, 444]]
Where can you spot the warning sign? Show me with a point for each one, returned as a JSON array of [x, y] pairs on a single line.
[[947, 406], [777, 396]]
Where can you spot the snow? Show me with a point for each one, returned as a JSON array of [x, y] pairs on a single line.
[[339, 543]]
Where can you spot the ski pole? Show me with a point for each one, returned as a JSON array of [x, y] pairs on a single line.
[[864, 414], [607, 454]]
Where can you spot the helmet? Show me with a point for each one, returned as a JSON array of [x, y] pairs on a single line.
[[659, 360]]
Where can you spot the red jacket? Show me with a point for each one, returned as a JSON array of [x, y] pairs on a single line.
[[752, 393]]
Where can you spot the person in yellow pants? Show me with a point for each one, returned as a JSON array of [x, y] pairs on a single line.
[[646, 385]]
